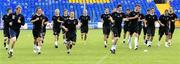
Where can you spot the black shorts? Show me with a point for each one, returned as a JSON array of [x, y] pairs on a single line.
[[163, 30], [70, 36], [6, 32], [84, 29], [172, 29], [139, 29], [145, 30], [56, 31], [44, 32], [150, 31], [133, 29], [14, 33], [63, 31], [37, 33], [106, 30], [126, 28], [116, 31]]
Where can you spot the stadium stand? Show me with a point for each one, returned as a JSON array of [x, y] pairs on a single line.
[[175, 4], [95, 7]]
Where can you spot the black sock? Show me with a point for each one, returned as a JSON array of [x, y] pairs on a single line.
[[85, 37], [82, 37], [70, 47]]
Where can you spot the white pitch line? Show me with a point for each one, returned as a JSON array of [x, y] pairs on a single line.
[[102, 59]]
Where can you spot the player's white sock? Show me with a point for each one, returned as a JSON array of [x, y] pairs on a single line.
[[39, 49], [56, 43], [69, 50], [113, 45], [65, 41], [169, 42], [148, 43], [124, 39], [129, 42], [166, 44], [159, 44], [35, 46], [136, 42], [11, 50], [105, 42]]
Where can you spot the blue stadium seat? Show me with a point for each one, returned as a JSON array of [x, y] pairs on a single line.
[[94, 9]]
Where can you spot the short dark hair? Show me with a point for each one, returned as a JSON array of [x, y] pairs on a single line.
[[148, 9], [65, 10], [119, 5], [37, 8], [138, 5], [8, 9], [128, 9], [152, 8], [106, 8], [18, 6]]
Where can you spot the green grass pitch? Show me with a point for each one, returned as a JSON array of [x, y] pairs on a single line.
[[93, 52]]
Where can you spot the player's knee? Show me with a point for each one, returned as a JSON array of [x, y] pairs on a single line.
[[13, 39]]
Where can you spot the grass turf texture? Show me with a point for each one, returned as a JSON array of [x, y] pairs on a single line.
[[93, 52]]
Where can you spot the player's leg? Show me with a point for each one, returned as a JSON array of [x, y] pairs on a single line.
[[124, 36], [43, 35], [152, 32], [145, 35], [5, 31], [13, 39], [106, 32], [116, 34], [39, 39], [6, 39], [130, 40], [35, 35], [73, 41], [167, 33], [171, 34], [56, 36], [82, 33], [86, 32], [69, 42], [161, 33], [149, 38], [139, 31], [136, 41]]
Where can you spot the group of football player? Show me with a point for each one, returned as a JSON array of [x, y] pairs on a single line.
[[134, 21]]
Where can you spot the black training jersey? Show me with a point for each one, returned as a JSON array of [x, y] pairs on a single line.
[[65, 18], [151, 20], [118, 17], [107, 21], [14, 19], [173, 16], [56, 23], [126, 23], [141, 17], [134, 22], [84, 20], [165, 20], [46, 20], [70, 24], [38, 24], [6, 18]]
